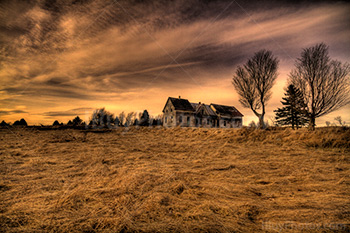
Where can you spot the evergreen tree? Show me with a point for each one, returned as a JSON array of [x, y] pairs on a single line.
[[77, 121], [3, 123], [56, 123], [293, 112], [21, 122], [136, 122], [144, 120]]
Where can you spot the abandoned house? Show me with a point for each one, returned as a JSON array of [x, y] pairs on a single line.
[[180, 112]]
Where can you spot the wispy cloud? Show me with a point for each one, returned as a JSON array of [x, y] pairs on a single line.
[[71, 112], [100, 50], [4, 112]]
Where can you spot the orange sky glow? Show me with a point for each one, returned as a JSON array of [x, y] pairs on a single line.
[[60, 60]]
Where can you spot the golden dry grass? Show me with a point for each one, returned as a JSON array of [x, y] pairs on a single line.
[[174, 180]]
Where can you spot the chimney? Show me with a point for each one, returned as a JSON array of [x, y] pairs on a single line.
[[179, 96]]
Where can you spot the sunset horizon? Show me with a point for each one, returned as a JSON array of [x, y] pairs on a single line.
[[174, 116], [61, 60]]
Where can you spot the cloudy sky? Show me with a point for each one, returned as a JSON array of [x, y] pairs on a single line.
[[63, 58]]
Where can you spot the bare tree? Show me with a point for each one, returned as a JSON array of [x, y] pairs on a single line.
[[253, 82], [339, 120], [121, 118], [129, 117], [324, 82], [100, 118]]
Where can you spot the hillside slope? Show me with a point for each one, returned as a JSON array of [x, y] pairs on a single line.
[[174, 180]]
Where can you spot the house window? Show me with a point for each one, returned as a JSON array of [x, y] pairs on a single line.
[[180, 119], [200, 121], [224, 123], [208, 121], [171, 119], [165, 120]]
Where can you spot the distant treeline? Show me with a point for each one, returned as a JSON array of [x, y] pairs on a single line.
[[100, 119]]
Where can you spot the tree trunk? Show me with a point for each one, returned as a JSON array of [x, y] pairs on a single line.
[[261, 119], [261, 122], [312, 122], [261, 116]]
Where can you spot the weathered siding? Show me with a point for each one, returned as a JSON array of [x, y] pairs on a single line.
[[169, 116], [184, 119], [230, 123], [184, 114]]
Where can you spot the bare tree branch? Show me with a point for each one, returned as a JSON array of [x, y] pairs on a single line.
[[323, 82], [253, 82]]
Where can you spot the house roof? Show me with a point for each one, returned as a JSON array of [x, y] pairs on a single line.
[[226, 110], [212, 109], [195, 106], [181, 104], [207, 108]]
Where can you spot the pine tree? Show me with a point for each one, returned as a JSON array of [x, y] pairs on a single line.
[[293, 112], [21, 122], [144, 120], [3, 123], [56, 123], [77, 121]]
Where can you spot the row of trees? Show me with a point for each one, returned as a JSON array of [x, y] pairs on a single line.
[[317, 86], [21, 122], [101, 118]]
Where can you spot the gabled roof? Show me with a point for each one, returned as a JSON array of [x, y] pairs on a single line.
[[206, 107], [195, 106], [180, 104], [226, 110], [209, 110], [212, 109]]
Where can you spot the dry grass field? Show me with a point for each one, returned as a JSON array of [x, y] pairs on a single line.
[[175, 180]]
